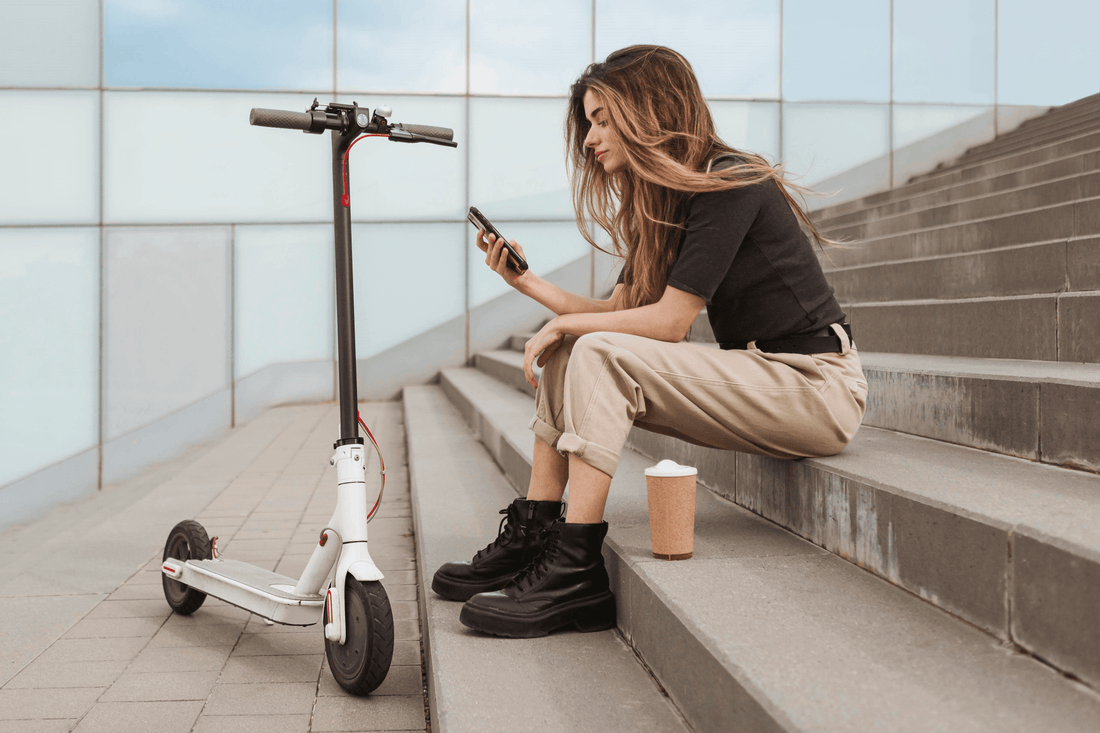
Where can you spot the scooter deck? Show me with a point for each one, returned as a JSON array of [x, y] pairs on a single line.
[[254, 589]]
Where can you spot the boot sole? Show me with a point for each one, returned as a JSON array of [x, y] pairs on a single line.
[[588, 614], [453, 590]]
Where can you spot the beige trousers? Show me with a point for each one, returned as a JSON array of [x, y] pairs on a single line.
[[595, 387]]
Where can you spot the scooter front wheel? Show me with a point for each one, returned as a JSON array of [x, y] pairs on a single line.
[[361, 663], [187, 540]]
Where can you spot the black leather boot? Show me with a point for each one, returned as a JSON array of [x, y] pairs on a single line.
[[519, 542], [566, 586]]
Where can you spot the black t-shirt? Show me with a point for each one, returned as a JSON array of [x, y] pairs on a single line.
[[744, 253]]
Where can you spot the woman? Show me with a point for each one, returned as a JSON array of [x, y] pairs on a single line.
[[697, 223]]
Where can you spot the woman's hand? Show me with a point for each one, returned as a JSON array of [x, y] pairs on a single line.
[[496, 257], [541, 347]]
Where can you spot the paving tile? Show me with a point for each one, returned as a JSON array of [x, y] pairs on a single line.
[[279, 644], [94, 650], [270, 669], [198, 635], [131, 609], [138, 593], [180, 659], [59, 703], [44, 674], [405, 653], [110, 628], [290, 698], [220, 612], [145, 577], [406, 628], [400, 592], [400, 577], [404, 680], [158, 686], [404, 609], [372, 713], [252, 724], [140, 717], [40, 726]]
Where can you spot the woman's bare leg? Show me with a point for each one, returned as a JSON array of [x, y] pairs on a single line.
[[588, 489], [549, 472]]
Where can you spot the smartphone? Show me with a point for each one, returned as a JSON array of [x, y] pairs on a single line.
[[515, 261]]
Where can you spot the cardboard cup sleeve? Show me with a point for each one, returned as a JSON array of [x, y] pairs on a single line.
[[671, 490]]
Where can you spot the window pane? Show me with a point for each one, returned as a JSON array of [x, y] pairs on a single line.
[[386, 46], [284, 295], [209, 44], [1047, 57], [528, 48], [821, 140], [420, 181], [836, 51], [517, 158], [49, 358], [546, 246], [166, 330], [733, 45], [749, 126], [943, 51], [182, 157], [62, 36], [408, 278], [916, 122], [50, 162]]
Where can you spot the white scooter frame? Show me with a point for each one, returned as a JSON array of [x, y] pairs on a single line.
[[279, 598], [359, 651]]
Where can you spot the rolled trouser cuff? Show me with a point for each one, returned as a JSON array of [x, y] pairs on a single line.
[[546, 432], [591, 453]]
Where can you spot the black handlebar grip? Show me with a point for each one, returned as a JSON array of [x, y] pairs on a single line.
[[280, 118], [444, 133]]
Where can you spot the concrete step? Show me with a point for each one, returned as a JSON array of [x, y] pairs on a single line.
[[564, 682], [1027, 269], [1054, 118], [965, 173], [1083, 124], [1041, 411], [1054, 327], [985, 206], [1043, 172], [762, 631], [1060, 222]]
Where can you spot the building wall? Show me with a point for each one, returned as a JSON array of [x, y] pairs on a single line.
[[161, 260]]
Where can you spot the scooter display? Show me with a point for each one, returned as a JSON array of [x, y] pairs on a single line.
[[358, 624]]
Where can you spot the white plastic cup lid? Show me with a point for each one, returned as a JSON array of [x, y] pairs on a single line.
[[669, 469]]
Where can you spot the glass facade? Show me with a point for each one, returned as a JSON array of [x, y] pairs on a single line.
[[155, 248]]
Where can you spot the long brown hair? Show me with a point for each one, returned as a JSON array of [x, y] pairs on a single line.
[[666, 134]]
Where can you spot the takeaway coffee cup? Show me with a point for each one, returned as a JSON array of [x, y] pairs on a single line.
[[671, 489]]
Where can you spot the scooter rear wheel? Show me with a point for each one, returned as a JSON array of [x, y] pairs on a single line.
[[361, 663], [187, 540]]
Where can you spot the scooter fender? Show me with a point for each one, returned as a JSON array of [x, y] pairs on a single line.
[[356, 560]]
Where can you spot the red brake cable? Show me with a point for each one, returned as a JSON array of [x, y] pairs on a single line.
[[381, 462], [346, 200]]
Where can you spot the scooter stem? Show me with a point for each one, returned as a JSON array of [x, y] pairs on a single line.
[[345, 296]]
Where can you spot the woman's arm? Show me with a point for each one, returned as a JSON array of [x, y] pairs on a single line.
[[561, 301], [666, 320]]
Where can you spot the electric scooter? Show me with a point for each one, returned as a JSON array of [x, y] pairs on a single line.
[[358, 624]]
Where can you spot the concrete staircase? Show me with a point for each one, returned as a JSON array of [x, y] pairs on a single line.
[[942, 573]]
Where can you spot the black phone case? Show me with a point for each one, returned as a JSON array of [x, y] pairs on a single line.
[[479, 220]]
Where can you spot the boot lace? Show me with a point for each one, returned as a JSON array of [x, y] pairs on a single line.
[[540, 566], [506, 531]]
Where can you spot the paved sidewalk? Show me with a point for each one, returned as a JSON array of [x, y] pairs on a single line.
[[109, 655]]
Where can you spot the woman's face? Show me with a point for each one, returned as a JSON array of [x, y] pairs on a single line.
[[601, 136]]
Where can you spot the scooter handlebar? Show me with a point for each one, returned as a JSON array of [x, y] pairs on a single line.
[[443, 133], [280, 118]]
